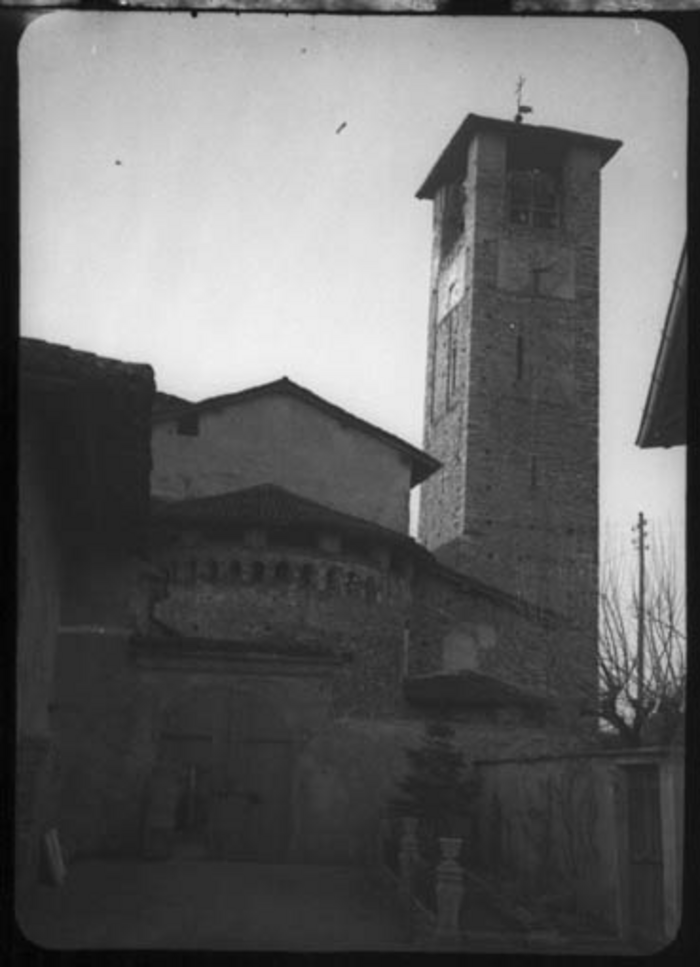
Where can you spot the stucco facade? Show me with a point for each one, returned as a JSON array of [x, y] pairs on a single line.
[[281, 437], [75, 566]]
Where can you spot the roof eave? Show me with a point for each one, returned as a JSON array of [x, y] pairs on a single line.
[[423, 465], [174, 513], [478, 691], [652, 431], [475, 122]]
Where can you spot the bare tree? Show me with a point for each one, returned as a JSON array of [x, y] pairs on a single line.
[[653, 713]]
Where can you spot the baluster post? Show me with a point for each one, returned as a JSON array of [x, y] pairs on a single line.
[[449, 890], [408, 853]]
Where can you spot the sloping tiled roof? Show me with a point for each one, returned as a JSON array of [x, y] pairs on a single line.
[[164, 402], [173, 647], [58, 364], [468, 582], [422, 464], [272, 505], [452, 161], [664, 418], [467, 689], [95, 417]]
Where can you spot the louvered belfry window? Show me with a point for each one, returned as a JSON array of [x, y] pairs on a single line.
[[533, 198]]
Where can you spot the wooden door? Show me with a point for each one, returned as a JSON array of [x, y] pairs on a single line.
[[252, 814], [645, 860]]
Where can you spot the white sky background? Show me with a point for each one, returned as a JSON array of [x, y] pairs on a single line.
[[240, 238]]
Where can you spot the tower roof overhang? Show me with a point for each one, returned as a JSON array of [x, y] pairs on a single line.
[[452, 159]]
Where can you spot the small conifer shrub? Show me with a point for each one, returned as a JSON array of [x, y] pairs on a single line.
[[438, 789]]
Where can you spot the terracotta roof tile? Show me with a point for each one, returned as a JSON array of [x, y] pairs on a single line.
[[269, 504], [467, 689]]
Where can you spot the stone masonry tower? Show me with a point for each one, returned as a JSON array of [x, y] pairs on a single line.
[[511, 404]]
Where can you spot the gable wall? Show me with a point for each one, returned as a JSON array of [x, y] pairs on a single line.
[[453, 628], [281, 440]]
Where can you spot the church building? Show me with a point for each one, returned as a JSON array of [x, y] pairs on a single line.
[[297, 636]]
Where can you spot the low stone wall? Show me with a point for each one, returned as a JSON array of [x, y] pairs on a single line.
[[347, 773], [549, 825], [344, 777], [554, 830]]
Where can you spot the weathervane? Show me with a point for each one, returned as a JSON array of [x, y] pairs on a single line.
[[522, 108]]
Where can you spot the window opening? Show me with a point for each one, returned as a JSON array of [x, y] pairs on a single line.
[[534, 183], [188, 425], [519, 358], [533, 199], [282, 571], [452, 217], [533, 473], [452, 349]]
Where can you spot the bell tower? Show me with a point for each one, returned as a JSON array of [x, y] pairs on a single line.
[[511, 406]]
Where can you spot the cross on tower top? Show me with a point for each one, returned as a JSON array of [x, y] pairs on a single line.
[[522, 108]]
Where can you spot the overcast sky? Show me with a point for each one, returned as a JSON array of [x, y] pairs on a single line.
[[231, 199]]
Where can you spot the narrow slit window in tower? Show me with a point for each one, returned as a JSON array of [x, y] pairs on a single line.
[[519, 355], [533, 473], [452, 349]]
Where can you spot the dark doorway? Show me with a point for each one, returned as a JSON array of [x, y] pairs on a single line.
[[190, 757], [233, 757]]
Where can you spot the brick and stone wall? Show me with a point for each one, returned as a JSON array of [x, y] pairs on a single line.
[[516, 501], [350, 608], [453, 627], [348, 724]]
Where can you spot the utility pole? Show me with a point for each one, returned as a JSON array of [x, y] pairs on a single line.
[[641, 547]]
